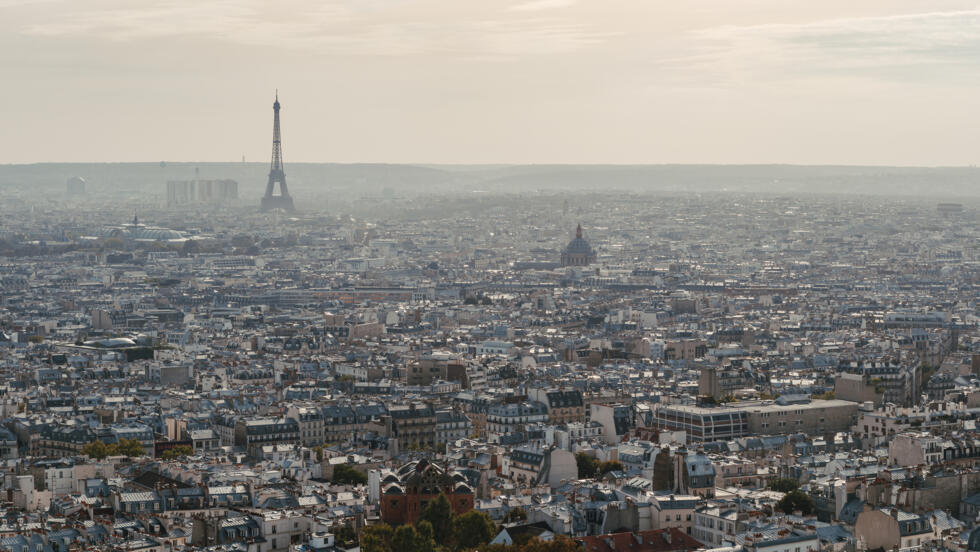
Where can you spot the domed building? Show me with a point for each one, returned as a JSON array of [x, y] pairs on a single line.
[[141, 232], [578, 252]]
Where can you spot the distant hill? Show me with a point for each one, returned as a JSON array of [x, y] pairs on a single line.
[[369, 179]]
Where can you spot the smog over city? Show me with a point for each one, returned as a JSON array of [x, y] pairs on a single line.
[[505, 276]]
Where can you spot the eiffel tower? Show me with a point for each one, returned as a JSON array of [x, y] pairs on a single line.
[[276, 175]]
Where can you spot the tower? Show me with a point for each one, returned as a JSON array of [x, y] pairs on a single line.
[[276, 174]]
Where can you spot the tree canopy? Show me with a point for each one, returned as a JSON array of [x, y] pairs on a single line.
[[587, 466], [125, 447], [179, 451], [344, 474], [472, 529], [611, 465], [783, 484], [438, 530], [796, 500], [439, 513]]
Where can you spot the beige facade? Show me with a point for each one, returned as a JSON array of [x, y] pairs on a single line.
[[816, 417], [890, 529]]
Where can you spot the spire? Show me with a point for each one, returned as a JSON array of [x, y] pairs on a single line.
[[578, 231]]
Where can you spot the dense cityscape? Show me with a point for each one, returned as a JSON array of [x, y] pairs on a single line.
[[518, 276], [184, 369]]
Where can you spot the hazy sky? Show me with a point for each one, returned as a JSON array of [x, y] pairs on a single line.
[[492, 81]]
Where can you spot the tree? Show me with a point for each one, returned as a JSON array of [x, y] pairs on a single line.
[[404, 539], [346, 536], [796, 500], [472, 529], [243, 241], [440, 514], [426, 542], [783, 484], [344, 474], [127, 447], [96, 449], [190, 247], [612, 465], [179, 451], [586, 465], [377, 538], [514, 515]]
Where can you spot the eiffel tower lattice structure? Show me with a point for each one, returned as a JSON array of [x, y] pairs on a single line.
[[277, 175]]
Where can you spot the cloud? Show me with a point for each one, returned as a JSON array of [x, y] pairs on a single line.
[[16, 3], [539, 5], [912, 46], [335, 27]]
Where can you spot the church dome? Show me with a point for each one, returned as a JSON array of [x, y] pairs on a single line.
[[578, 252], [578, 245]]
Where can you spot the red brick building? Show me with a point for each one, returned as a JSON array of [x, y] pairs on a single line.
[[406, 492]]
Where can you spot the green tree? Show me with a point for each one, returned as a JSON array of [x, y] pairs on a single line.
[[426, 541], [344, 474], [606, 467], [377, 538], [404, 539], [130, 448], [440, 514], [179, 451], [472, 529], [96, 449], [515, 515], [346, 536], [586, 465], [783, 484], [190, 247], [796, 500]]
